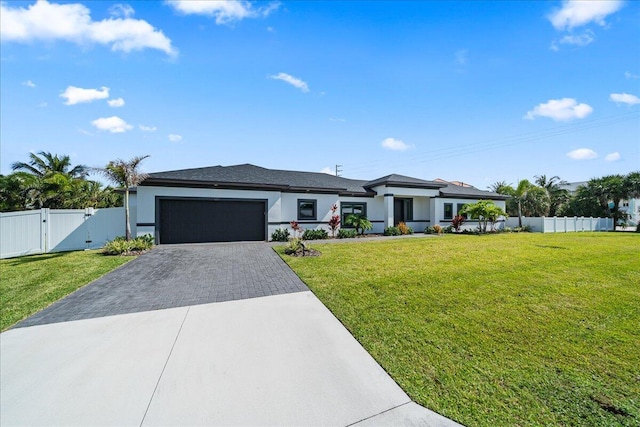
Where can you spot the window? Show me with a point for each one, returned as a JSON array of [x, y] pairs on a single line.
[[448, 211], [347, 209], [306, 209], [460, 206]]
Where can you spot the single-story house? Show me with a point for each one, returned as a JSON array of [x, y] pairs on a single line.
[[247, 202]]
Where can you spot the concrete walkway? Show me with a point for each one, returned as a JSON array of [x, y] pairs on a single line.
[[276, 360]]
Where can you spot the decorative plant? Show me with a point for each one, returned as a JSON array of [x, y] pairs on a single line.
[[457, 222], [334, 222], [315, 235], [359, 222], [346, 233], [297, 229], [391, 231], [280, 235], [404, 228], [437, 229]]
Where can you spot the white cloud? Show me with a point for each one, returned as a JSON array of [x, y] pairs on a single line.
[[43, 104], [328, 171], [612, 157], [576, 13], [337, 119], [462, 56], [294, 81], [175, 137], [560, 110], [76, 95], [578, 40], [395, 144], [121, 11], [144, 128], [29, 83], [112, 124], [624, 98], [582, 154], [223, 11], [72, 22], [118, 102], [628, 75]]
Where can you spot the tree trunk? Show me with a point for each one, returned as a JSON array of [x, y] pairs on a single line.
[[126, 214], [519, 214]]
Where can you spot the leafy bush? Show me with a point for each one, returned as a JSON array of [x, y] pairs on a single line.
[[345, 233], [448, 229], [429, 230], [280, 235], [360, 222], [404, 228], [122, 246], [457, 222], [294, 246], [391, 231], [315, 234]]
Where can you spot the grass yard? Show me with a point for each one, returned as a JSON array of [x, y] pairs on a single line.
[[29, 284], [496, 330]]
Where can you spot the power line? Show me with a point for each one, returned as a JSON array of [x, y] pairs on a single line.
[[494, 143]]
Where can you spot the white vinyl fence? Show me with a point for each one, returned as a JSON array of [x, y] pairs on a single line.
[[562, 224], [56, 230]]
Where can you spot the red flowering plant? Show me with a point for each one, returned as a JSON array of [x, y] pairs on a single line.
[[297, 229], [334, 222]]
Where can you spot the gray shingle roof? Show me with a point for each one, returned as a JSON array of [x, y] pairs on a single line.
[[249, 176], [404, 181]]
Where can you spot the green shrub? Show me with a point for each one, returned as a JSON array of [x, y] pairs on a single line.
[[429, 230], [280, 235], [391, 231], [315, 234], [294, 246], [122, 246], [347, 233], [360, 222]]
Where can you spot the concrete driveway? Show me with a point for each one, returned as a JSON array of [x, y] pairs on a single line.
[[225, 334]]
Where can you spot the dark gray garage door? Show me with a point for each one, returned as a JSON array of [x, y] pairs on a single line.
[[199, 221]]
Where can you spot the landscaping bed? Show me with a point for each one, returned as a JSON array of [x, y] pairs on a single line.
[[505, 329]]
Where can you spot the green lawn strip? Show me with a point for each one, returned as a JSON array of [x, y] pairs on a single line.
[[509, 329], [32, 283]]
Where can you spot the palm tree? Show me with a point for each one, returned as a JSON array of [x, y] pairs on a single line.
[[557, 195], [45, 164], [126, 175]]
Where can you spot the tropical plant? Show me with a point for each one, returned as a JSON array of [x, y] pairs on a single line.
[[556, 194], [404, 228], [359, 222], [334, 222], [438, 229], [126, 174], [485, 211], [457, 222], [45, 164], [297, 229], [122, 246]]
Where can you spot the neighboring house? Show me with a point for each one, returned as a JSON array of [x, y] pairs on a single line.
[[247, 202], [631, 206]]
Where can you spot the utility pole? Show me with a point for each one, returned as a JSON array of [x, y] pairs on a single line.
[[338, 170]]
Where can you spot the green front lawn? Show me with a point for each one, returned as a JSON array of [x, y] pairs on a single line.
[[496, 330], [29, 284]]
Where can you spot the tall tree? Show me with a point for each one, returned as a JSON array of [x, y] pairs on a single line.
[[556, 194], [45, 164], [527, 199], [610, 190], [126, 174]]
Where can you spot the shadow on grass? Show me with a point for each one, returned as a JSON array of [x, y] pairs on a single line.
[[33, 258]]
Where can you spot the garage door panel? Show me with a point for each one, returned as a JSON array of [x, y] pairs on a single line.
[[198, 221]]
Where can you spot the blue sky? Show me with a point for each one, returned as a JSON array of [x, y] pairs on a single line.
[[472, 91]]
